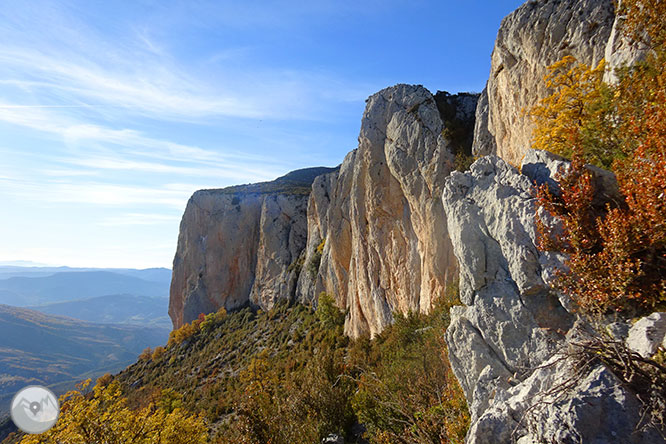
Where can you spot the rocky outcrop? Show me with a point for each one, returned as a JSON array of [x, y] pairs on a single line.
[[620, 51], [483, 142], [328, 218], [373, 236], [536, 35], [379, 222], [236, 244], [508, 342], [511, 320], [648, 334]]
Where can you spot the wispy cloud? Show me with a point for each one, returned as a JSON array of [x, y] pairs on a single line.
[[140, 152], [112, 124], [153, 91], [137, 74], [130, 219], [230, 171], [96, 193]]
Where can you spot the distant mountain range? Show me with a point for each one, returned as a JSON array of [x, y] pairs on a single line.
[[23, 287], [59, 325], [114, 309], [56, 351], [149, 274]]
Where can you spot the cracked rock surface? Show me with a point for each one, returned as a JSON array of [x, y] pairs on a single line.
[[386, 247], [507, 342], [235, 247], [533, 37]]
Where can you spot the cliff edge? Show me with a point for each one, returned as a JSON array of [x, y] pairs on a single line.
[[236, 244]]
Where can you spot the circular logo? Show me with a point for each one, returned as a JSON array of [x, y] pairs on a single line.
[[35, 409]]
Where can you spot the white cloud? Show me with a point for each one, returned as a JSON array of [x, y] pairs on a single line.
[[141, 152], [228, 171], [139, 219], [96, 193]]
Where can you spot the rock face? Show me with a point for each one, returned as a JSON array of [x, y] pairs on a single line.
[[511, 320], [648, 334], [620, 51], [536, 35], [505, 341], [385, 245], [236, 244], [373, 235], [484, 142]]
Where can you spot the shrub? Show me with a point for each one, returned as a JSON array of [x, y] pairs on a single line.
[[158, 353], [315, 260], [297, 265], [578, 115], [617, 254], [104, 380], [328, 312], [103, 416], [463, 161], [146, 354], [212, 320], [289, 375], [406, 389], [186, 331]]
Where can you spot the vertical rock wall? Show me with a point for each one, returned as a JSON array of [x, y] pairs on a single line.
[[509, 340], [531, 38], [386, 245], [236, 245]]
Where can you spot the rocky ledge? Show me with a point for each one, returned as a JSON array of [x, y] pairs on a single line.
[[509, 342]]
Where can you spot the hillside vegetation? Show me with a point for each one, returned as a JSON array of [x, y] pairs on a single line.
[[289, 375]]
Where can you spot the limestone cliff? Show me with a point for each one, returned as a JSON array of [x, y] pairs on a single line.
[[236, 244], [379, 221], [531, 38], [372, 234], [394, 224]]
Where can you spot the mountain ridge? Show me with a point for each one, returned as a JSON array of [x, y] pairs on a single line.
[[62, 286]]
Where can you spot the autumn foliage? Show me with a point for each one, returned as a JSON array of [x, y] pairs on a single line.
[[578, 116], [103, 416], [617, 252]]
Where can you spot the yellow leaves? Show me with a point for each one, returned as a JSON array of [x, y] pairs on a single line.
[[570, 119], [181, 334], [105, 417], [158, 353], [617, 254], [146, 355]]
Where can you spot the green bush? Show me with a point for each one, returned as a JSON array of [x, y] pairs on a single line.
[[328, 312], [315, 260], [289, 375]]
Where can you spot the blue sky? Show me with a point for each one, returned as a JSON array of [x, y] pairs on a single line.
[[112, 113]]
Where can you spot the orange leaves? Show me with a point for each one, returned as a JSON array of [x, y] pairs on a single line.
[[617, 254]]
